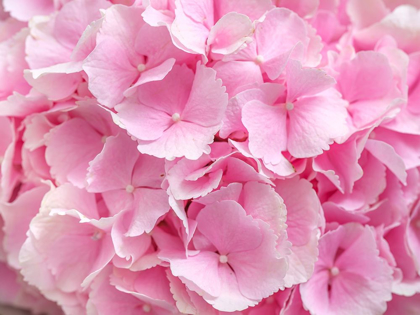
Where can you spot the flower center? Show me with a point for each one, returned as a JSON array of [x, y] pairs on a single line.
[[176, 117], [289, 106], [97, 235], [103, 139], [147, 308], [259, 60], [129, 188], [223, 259], [141, 67], [334, 271]]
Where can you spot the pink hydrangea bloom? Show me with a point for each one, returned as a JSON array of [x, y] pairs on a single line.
[[210, 157]]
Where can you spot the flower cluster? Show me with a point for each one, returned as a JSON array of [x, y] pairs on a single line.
[[210, 157]]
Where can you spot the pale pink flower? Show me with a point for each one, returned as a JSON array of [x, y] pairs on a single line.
[[243, 265], [177, 116], [53, 48], [70, 146], [69, 222], [367, 83], [210, 157], [17, 215], [132, 184], [145, 54], [349, 276], [124, 292], [304, 122], [265, 56]]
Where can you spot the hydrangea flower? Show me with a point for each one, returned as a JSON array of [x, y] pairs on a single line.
[[247, 157]]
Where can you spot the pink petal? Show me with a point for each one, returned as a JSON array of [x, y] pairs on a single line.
[[303, 209], [109, 77], [150, 286], [47, 83], [182, 296], [182, 188], [106, 299], [254, 281], [24, 10], [67, 197], [12, 53], [17, 216], [154, 74], [303, 220], [262, 202], [278, 23], [150, 205], [148, 172], [123, 24], [42, 48], [230, 299], [232, 122], [365, 13], [305, 82], [314, 124], [70, 23], [143, 122], [387, 155], [18, 105], [170, 94], [237, 75], [179, 140], [189, 33], [303, 8], [230, 33], [70, 148], [190, 270], [401, 24], [235, 233], [207, 102], [367, 189], [254, 9], [112, 168], [156, 43], [371, 72], [407, 146], [340, 165], [267, 130], [130, 249]]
